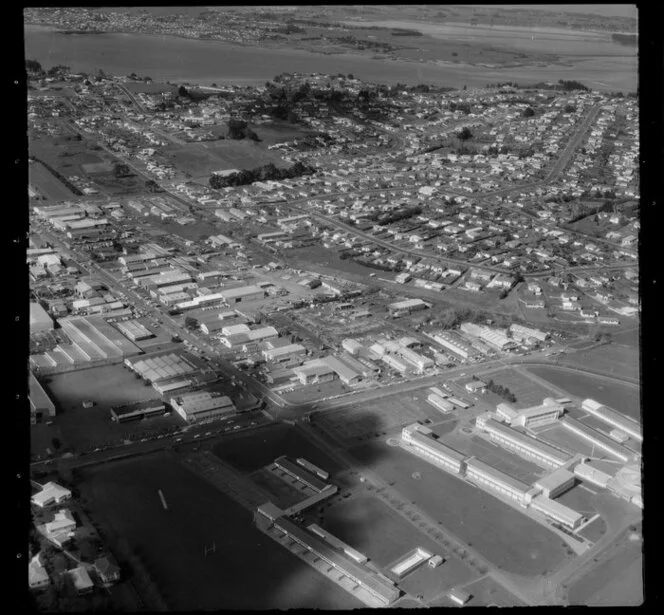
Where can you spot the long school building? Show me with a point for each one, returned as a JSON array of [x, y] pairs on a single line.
[[418, 437], [522, 444], [613, 418], [598, 439], [480, 472]]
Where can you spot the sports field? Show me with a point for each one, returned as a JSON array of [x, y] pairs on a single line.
[[621, 397], [249, 452], [199, 160], [47, 184], [111, 385], [528, 392], [514, 542], [247, 571], [615, 582], [373, 419]]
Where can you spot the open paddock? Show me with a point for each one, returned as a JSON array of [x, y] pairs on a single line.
[[620, 396], [170, 543], [46, 184], [515, 543], [619, 359], [107, 386], [249, 452]]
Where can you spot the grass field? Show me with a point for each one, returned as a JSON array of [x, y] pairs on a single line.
[[580, 499], [528, 392], [47, 184], [614, 582], [284, 494], [487, 592], [562, 438], [621, 360], [495, 456], [621, 397], [199, 160], [595, 530], [106, 386], [630, 337], [359, 423], [247, 571], [252, 451], [431, 582], [515, 542]]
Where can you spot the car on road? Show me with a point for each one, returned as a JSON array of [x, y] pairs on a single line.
[[208, 433], [237, 427], [197, 436]]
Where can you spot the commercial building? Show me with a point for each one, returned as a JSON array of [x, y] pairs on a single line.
[[40, 402], [523, 333], [134, 330], [440, 403], [271, 520], [598, 439], [420, 362], [408, 306], [284, 354], [162, 367], [395, 363], [352, 346], [454, 342], [522, 444], [556, 483], [613, 418], [493, 337], [557, 511], [39, 319], [419, 438], [535, 416], [202, 406], [346, 374], [243, 293], [51, 493], [482, 473], [314, 371], [138, 411]]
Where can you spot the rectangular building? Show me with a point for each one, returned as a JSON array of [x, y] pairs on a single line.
[[134, 330], [300, 473], [202, 406], [138, 411], [419, 438], [242, 293], [487, 476], [557, 511], [40, 402], [522, 444], [440, 403], [407, 306], [333, 541], [613, 418], [535, 416], [597, 439], [284, 353], [556, 483]]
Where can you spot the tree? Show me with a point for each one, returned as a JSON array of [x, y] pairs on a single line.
[[122, 170], [182, 91], [56, 443], [528, 112], [32, 66], [464, 134], [570, 109], [191, 323]]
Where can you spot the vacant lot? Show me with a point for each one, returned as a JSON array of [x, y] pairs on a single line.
[[528, 393], [514, 543], [107, 386], [621, 397], [199, 160], [247, 571], [250, 452], [47, 184]]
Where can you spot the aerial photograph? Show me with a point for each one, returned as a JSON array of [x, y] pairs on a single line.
[[333, 307]]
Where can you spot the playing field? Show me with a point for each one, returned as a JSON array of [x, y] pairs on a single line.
[[199, 160], [47, 184], [247, 571], [252, 451], [514, 542], [108, 386], [622, 360], [380, 417], [528, 393], [615, 582], [621, 397]]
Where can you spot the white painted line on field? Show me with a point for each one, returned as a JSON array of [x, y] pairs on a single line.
[[163, 500]]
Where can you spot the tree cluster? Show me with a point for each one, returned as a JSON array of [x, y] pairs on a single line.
[[464, 134], [384, 218], [501, 391], [238, 129], [267, 172], [464, 107], [32, 66]]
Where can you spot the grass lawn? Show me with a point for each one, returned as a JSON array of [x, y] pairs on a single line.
[[614, 582], [249, 452], [622, 360], [527, 392], [515, 542], [487, 592], [107, 386], [430, 582], [594, 531], [247, 571], [284, 494], [621, 397], [47, 184]]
